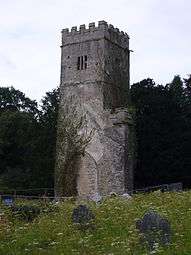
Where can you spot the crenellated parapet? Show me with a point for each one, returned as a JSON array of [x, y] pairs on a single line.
[[93, 32]]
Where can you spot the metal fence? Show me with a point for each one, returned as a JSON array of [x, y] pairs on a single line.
[[48, 193], [177, 186]]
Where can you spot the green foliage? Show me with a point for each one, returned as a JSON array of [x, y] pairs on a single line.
[[163, 132], [188, 86], [27, 140], [114, 232], [25, 212], [47, 138], [17, 133], [14, 100]]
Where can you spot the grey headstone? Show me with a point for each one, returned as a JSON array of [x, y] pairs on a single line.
[[177, 187], [126, 196], [82, 215], [154, 229], [96, 197]]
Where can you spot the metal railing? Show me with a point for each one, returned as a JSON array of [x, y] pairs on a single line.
[[48, 193]]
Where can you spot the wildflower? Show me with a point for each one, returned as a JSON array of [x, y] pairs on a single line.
[[153, 252], [60, 234], [53, 243]]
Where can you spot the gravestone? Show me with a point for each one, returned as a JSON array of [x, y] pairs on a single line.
[[126, 196], [96, 197], [176, 187], [154, 229], [83, 216], [7, 200]]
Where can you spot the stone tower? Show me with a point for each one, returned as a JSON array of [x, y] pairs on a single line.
[[95, 79]]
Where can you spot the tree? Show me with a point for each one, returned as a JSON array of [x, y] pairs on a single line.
[[14, 100], [27, 139], [17, 146], [18, 125], [187, 83], [163, 133], [47, 137]]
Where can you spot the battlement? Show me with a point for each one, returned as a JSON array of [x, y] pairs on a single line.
[[103, 30]]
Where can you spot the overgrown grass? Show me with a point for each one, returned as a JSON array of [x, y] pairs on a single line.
[[53, 233]]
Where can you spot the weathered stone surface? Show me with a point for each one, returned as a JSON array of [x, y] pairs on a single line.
[[82, 215], [126, 196], [96, 198], [155, 229], [99, 90], [87, 177]]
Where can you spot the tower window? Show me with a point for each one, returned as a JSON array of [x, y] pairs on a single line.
[[82, 62], [78, 64], [85, 61]]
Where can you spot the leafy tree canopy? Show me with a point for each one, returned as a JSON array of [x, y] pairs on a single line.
[[15, 100]]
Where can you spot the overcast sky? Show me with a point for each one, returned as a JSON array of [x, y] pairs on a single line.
[[160, 32]]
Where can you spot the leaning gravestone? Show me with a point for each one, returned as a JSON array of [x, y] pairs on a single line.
[[83, 216], [154, 229]]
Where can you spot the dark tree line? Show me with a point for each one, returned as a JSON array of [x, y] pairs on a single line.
[[163, 129], [27, 139], [162, 125]]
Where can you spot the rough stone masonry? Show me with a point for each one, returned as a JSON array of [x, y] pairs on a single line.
[[95, 80]]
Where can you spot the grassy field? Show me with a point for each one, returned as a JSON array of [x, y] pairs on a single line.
[[52, 232]]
